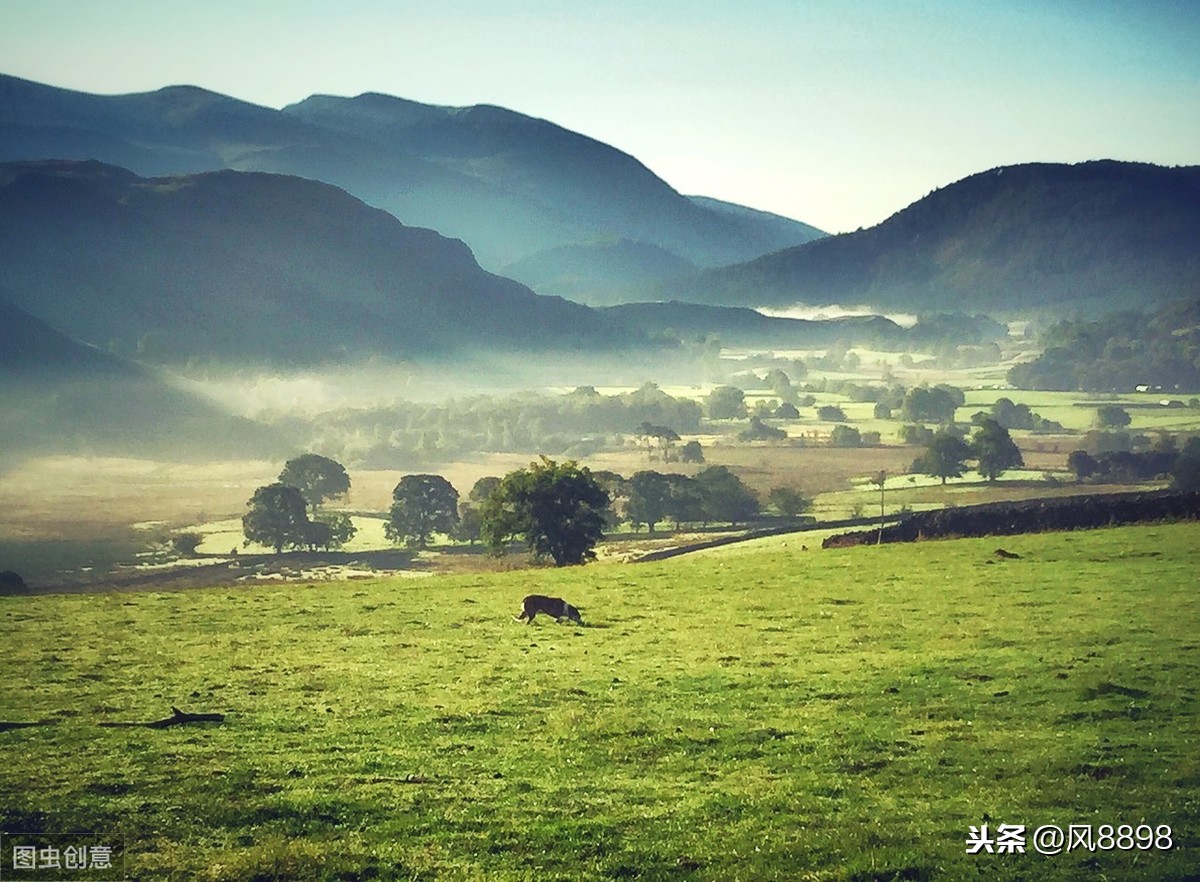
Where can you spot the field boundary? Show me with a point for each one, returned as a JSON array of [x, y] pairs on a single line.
[[667, 553], [1043, 515]]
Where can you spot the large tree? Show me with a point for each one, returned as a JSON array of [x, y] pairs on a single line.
[[845, 436], [649, 493], [725, 403], [995, 450], [684, 501], [945, 457], [421, 506], [340, 527], [470, 511], [317, 477], [1083, 464], [788, 501], [1112, 416], [724, 497], [932, 405], [278, 517], [559, 509]]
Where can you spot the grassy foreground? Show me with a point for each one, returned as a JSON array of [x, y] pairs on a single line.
[[757, 712]]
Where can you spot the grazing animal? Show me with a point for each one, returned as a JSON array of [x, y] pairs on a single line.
[[555, 607]]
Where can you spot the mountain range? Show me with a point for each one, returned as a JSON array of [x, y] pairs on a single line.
[[509, 185], [245, 267], [1063, 238], [243, 264]]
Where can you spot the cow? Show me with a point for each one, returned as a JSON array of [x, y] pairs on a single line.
[[555, 607]]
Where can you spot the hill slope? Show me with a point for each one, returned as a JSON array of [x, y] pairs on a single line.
[[59, 396], [246, 266], [508, 184], [600, 274], [1099, 234]]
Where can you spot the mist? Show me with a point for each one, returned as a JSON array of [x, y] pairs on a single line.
[[834, 311]]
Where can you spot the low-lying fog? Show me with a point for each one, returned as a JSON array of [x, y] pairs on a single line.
[[834, 311]]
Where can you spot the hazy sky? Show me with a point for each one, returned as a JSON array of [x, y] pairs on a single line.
[[835, 112]]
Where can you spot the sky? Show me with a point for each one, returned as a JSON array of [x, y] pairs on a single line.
[[834, 113]]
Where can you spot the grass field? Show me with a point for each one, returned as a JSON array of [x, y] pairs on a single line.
[[1077, 410], [755, 712]]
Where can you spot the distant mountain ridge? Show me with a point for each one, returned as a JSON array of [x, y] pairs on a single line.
[[507, 184], [1102, 234], [252, 267]]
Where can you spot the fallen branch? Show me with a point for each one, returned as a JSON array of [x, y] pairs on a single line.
[[177, 718]]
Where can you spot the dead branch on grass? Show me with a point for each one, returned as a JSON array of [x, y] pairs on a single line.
[[177, 718]]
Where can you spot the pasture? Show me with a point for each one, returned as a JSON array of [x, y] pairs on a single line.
[[755, 712]]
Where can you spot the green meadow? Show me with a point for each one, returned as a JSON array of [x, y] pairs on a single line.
[[757, 712]]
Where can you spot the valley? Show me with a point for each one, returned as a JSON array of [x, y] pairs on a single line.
[[298, 403]]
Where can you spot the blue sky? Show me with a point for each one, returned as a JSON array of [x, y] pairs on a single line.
[[835, 113]]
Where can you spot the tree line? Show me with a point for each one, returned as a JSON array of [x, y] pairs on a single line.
[[560, 511], [1119, 352]]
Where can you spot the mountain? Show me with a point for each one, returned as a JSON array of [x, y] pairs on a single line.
[[60, 396], [508, 184], [741, 326], [561, 186], [783, 228], [600, 274], [1029, 237], [248, 267]]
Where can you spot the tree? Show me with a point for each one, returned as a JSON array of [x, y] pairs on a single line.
[[1018, 416], [882, 411], [760, 431], [845, 436], [936, 405], [470, 523], [786, 411], [831, 413], [664, 435], [788, 501], [470, 510], [726, 403], [558, 508], [317, 477], [691, 452], [340, 528], [995, 450], [1112, 416], [779, 383], [684, 502], [649, 493], [421, 506], [278, 517], [724, 497], [945, 457], [915, 433], [483, 488], [1083, 464], [317, 535], [617, 489], [185, 544]]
